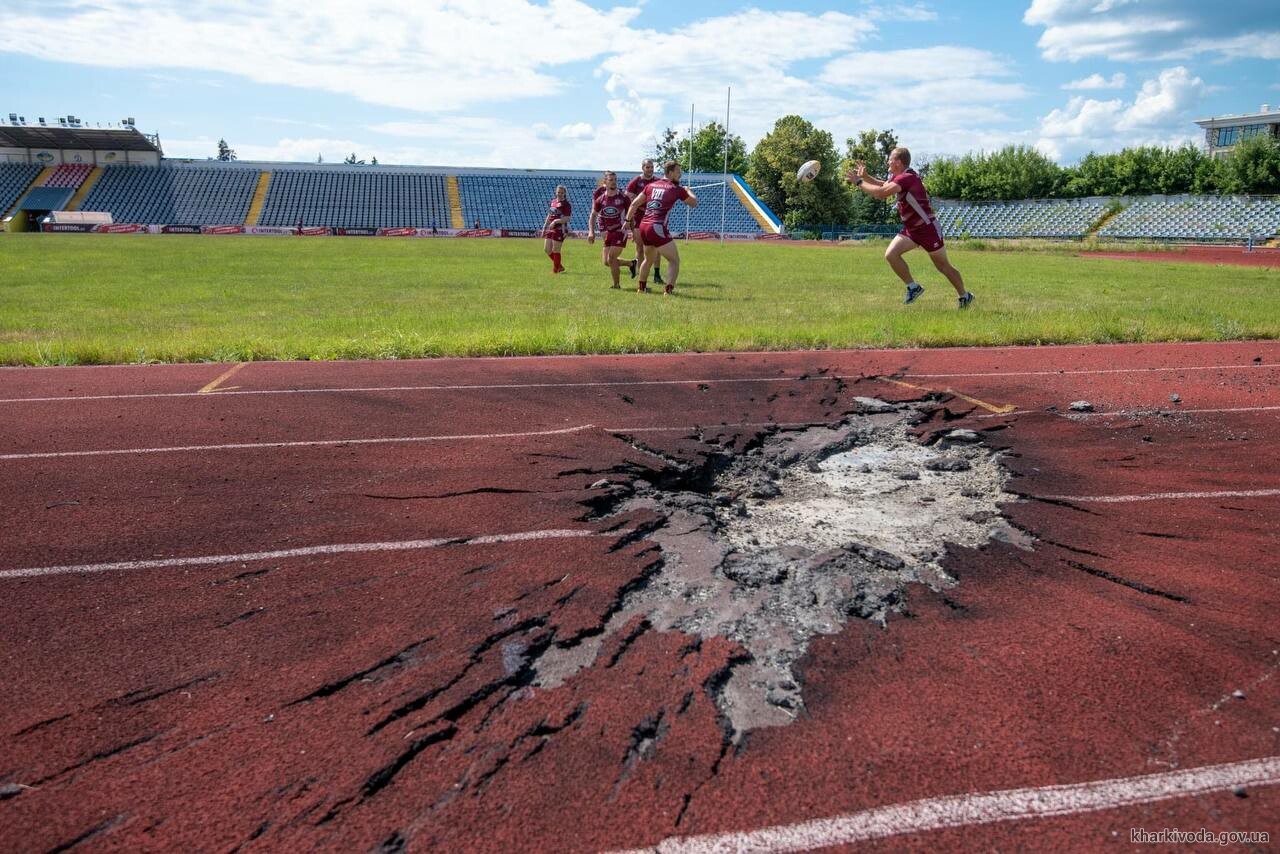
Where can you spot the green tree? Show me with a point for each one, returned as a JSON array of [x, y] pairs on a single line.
[[708, 149], [225, 152], [668, 148], [373, 161], [1254, 165], [1013, 172], [352, 161], [872, 147], [771, 172]]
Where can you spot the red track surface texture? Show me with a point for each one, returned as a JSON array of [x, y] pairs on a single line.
[[1229, 255], [366, 699]]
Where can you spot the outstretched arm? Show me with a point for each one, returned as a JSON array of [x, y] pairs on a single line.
[[691, 200], [636, 205], [871, 185]]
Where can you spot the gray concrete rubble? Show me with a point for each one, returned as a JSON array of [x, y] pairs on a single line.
[[800, 534]]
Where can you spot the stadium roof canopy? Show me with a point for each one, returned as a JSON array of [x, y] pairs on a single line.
[[92, 139]]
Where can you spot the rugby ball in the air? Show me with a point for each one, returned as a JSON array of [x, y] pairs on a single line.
[[808, 171]]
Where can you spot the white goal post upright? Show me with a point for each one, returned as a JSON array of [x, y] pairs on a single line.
[[724, 175], [690, 171]]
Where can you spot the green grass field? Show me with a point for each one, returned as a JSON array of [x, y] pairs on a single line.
[[89, 299]]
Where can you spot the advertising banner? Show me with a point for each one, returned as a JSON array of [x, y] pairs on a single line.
[[356, 232], [270, 229], [397, 232], [121, 228], [222, 229], [770, 237], [475, 232], [313, 231], [82, 227], [180, 229]]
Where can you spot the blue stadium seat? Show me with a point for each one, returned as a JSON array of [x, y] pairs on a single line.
[[185, 194], [14, 180], [1200, 218], [517, 199], [355, 197], [1065, 218]]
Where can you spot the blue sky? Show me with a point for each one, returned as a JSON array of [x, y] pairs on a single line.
[[574, 84]]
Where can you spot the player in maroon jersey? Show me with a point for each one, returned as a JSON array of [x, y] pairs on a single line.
[[919, 225], [554, 227], [635, 188], [609, 209], [656, 202]]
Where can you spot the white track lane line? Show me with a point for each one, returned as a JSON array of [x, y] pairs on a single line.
[[1162, 496], [305, 551], [602, 384], [1087, 371], [984, 808], [390, 440], [315, 443], [404, 388]]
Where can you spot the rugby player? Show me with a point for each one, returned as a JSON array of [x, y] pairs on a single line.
[[609, 208], [553, 227], [635, 188], [919, 225], [656, 201]]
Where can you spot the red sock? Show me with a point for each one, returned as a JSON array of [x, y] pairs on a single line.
[[555, 259]]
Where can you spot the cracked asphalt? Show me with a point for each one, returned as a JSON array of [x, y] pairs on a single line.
[[390, 699]]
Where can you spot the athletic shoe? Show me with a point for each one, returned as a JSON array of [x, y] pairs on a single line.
[[632, 267], [669, 290], [657, 278], [966, 300], [913, 293], [642, 288]]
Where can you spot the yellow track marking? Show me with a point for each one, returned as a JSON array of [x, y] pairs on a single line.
[[1000, 410], [222, 378]]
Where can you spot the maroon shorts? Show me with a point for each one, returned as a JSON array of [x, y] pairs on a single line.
[[653, 234], [615, 237], [927, 237], [554, 234]]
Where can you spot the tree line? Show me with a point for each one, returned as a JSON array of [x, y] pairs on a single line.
[[1013, 172]]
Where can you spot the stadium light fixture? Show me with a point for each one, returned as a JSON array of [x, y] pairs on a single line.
[[13, 117]]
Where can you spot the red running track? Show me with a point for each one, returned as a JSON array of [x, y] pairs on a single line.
[[281, 695], [1259, 256]]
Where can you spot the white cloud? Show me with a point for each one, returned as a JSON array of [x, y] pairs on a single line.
[[1097, 81], [1158, 115], [430, 55], [1155, 29], [752, 52]]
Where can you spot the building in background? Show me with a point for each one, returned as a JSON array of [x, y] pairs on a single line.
[[1222, 133]]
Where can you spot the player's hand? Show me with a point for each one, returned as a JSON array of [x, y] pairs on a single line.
[[861, 171], [591, 237]]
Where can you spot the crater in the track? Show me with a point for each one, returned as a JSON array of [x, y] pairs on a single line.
[[797, 536]]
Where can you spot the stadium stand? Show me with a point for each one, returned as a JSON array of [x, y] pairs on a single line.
[[519, 200], [199, 195], [14, 180], [69, 175], [356, 197], [46, 198], [1208, 218], [1042, 218]]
